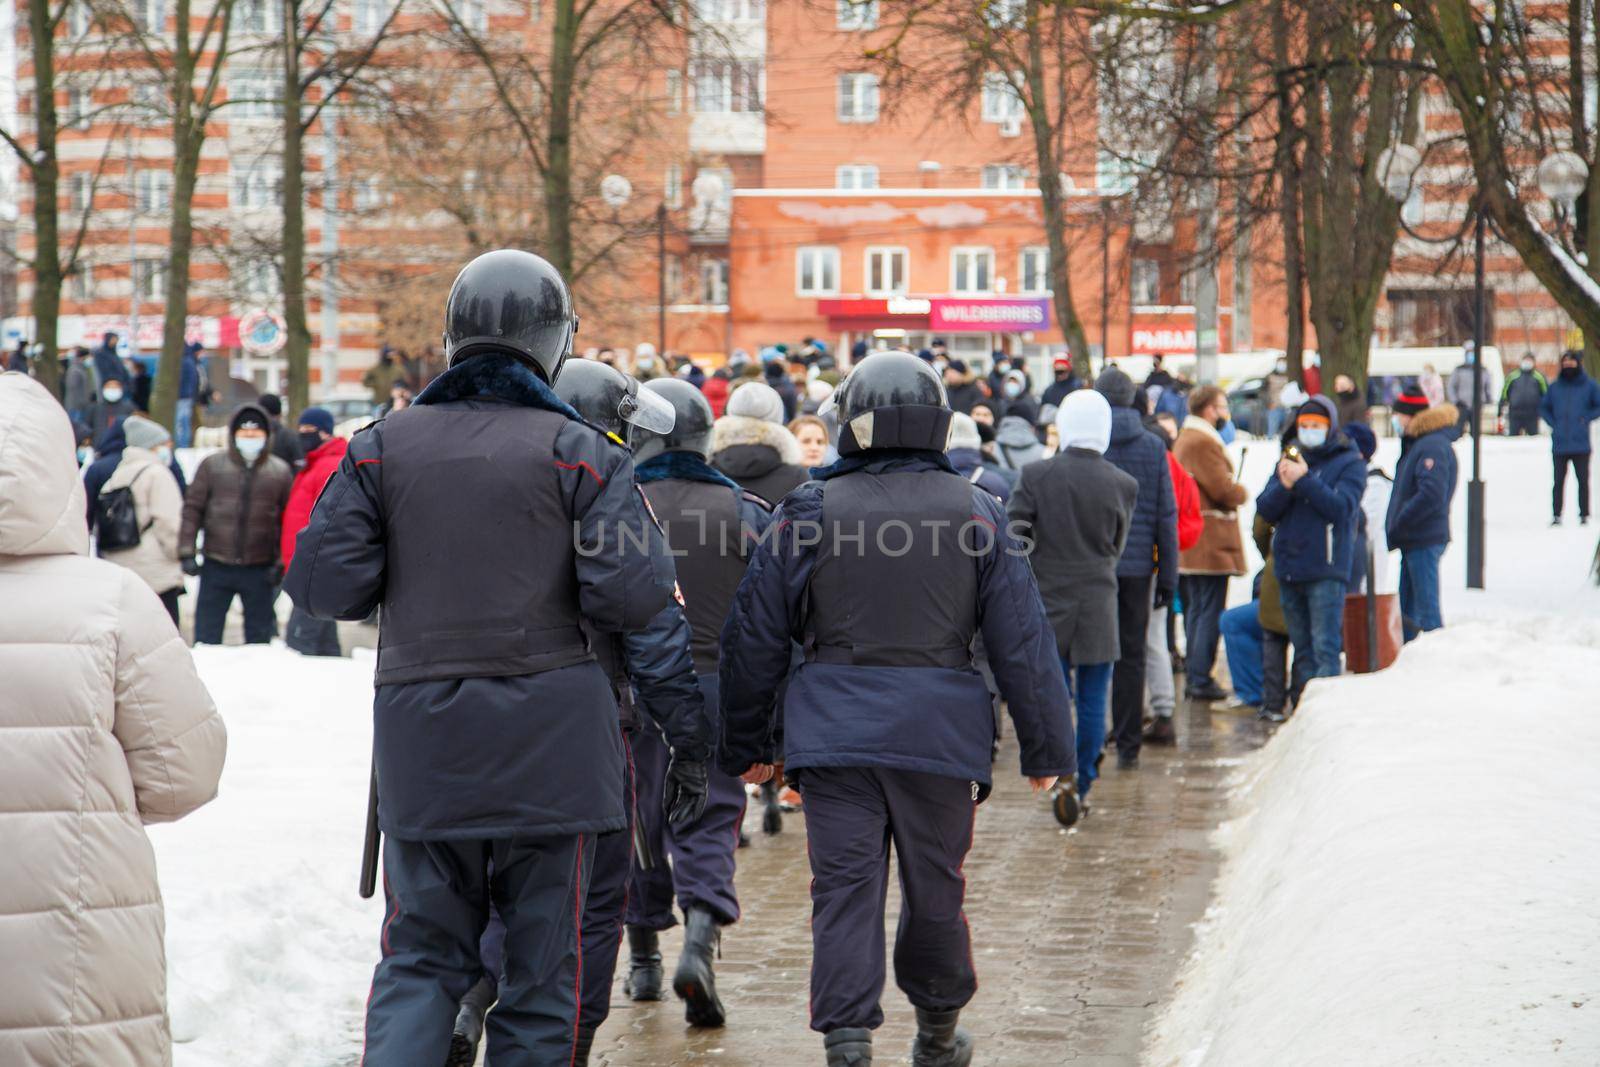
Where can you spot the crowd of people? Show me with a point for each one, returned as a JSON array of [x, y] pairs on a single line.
[[738, 656]]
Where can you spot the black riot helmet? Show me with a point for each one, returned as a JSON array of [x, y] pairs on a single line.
[[514, 302], [612, 400], [891, 400], [691, 427]]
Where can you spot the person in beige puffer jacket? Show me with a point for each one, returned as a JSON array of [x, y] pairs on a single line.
[[158, 506], [107, 726]]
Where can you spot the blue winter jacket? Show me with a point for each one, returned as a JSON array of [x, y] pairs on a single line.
[[1153, 536], [1424, 481], [938, 720], [968, 462], [189, 372], [1315, 522], [1569, 406]]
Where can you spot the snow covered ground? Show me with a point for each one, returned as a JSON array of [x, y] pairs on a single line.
[[269, 949], [1410, 876]]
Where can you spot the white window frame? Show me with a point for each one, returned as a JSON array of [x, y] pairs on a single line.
[[860, 91], [80, 288], [81, 191], [1035, 260], [150, 280], [150, 16], [856, 176], [259, 187], [1142, 270], [365, 195], [152, 191], [80, 17], [80, 108], [714, 281], [672, 271], [964, 276], [260, 18], [674, 91], [856, 15], [261, 92], [999, 102], [258, 281], [894, 252], [1003, 176], [366, 16], [723, 11], [816, 260], [672, 186], [474, 15], [729, 86]]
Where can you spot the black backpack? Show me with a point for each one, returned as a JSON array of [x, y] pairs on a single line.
[[115, 519]]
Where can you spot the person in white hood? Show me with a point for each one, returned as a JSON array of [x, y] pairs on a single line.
[[1077, 506]]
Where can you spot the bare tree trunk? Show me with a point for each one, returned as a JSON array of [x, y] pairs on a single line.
[[558, 174], [180, 241], [297, 349], [45, 172], [1294, 266]]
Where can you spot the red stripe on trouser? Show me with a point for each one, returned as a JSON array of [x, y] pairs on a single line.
[[577, 930], [383, 943]]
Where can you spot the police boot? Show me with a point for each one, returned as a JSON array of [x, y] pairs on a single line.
[[468, 1030], [694, 982], [771, 811], [581, 1047], [851, 1047], [940, 1042], [644, 965]]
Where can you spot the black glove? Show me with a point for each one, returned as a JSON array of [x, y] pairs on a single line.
[[1163, 598], [684, 795], [275, 575], [190, 565]]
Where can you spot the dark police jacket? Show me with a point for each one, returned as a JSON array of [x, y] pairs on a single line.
[[489, 522], [886, 611], [653, 680]]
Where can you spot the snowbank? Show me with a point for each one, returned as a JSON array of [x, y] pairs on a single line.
[[1411, 877], [269, 949]]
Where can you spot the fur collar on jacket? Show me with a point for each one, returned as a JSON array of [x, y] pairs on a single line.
[[1438, 417], [495, 375], [1201, 426], [683, 466], [732, 430]]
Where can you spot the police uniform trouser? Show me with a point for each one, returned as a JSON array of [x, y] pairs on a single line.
[[438, 895], [702, 854], [603, 905], [852, 814]]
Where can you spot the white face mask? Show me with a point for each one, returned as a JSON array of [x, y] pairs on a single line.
[[164, 454], [1527, 364], [112, 395], [85, 454], [1312, 436], [250, 447]]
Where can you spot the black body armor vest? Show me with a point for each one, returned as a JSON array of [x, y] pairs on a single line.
[[702, 525]]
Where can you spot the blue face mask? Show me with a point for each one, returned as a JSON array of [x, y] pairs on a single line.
[[85, 454], [1312, 436], [1013, 389]]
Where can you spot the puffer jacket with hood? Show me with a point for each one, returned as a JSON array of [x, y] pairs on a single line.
[[107, 726], [763, 457], [1016, 444], [158, 507], [238, 506]]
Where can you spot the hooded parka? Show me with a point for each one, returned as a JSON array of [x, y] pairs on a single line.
[[107, 726]]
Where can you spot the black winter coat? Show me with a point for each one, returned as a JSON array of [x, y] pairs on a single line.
[[1153, 536], [490, 754], [763, 457]]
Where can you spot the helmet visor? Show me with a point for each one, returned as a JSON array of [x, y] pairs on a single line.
[[647, 410], [831, 403]]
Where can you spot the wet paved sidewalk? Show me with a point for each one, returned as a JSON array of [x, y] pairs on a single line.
[[1076, 935]]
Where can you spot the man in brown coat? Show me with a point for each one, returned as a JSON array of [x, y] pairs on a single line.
[[237, 501], [1204, 570]]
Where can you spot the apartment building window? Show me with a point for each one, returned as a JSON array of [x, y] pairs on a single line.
[[1429, 318], [1000, 102], [366, 16], [858, 98], [80, 16], [856, 176], [673, 269], [730, 10], [714, 281], [257, 16], [253, 96], [722, 86], [152, 191], [259, 187], [81, 185], [365, 194], [816, 271], [858, 14], [150, 280], [1411, 210], [258, 280], [150, 16], [79, 106], [1003, 176], [474, 15], [1003, 14], [1145, 281], [1033, 269], [148, 100], [674, 92], [887, 271], [672, 191], [81, 284], [971, 270]]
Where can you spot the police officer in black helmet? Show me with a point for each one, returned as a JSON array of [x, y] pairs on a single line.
[[712, 524], [884, 568], [490, 523]]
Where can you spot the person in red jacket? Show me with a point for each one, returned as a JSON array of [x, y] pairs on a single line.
[[1158, 636], [716, 388], [323, 453]]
